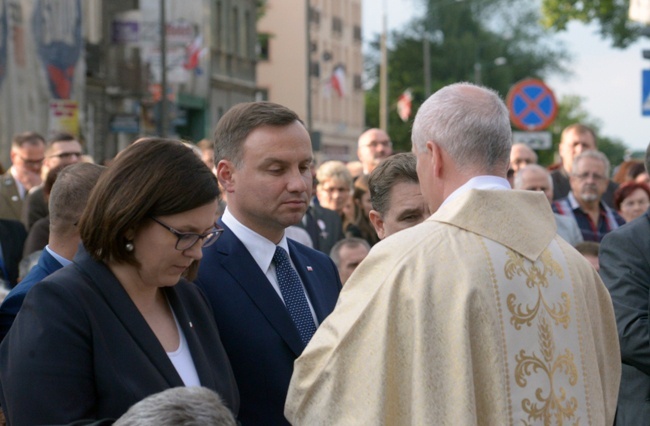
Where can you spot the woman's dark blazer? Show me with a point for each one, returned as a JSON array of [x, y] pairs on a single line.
[[80, 349]]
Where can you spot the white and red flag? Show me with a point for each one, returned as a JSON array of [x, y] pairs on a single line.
[[338, 80], [404, 102]]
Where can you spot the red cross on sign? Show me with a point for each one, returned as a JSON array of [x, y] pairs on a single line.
[[531, 104]]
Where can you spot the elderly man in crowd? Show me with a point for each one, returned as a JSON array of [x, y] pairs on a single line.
[[373, 146], [589, 178], [521, 155], [478, 315], [347, 254], [574, 140], [536, 178]]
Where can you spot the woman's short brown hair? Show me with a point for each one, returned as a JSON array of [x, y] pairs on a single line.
[[625, 190], [151, 177]]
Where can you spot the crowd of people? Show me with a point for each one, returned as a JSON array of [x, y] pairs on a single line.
[[234, 282]]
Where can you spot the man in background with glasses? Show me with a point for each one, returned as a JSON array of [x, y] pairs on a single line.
[[374, 146], [575, 139], [27, 156], [589, 180], [62, 150]]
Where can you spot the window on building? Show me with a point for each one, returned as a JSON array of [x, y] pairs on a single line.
[[357, 33], [245, 52], [261, 95], [337, 25], [358, 83], [314, 69], [235, 31], [218, 24], [314, 15], [263, 41]]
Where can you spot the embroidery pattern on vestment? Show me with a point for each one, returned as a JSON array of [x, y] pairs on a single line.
[[550, 369]]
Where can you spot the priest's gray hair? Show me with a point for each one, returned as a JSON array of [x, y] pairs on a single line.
[[182, 406], [471, 123]]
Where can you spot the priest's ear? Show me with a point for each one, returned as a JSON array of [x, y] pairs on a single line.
[[377, 223], [436, 158]]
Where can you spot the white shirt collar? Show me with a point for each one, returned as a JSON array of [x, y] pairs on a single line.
[[62, 260], [261, 248], [479, 182]]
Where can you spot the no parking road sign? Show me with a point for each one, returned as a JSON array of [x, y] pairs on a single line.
[[532, 105]]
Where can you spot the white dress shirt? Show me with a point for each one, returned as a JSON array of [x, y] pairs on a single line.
[[262, 251]]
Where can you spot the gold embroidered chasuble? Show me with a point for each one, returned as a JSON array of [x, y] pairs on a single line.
[[479, 315]]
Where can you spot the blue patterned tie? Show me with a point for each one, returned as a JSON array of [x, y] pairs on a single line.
[[293, 295]]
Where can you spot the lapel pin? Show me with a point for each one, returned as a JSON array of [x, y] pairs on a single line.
[[310, 269], [191, 325]]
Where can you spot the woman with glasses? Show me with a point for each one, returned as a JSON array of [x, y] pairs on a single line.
[[123, 322]]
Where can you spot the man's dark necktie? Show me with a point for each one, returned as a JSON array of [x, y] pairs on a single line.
[[293, 295]]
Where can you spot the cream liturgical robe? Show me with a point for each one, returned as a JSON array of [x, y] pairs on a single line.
[[479, 315]]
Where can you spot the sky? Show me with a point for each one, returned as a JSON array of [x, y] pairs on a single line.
[[608, 79]]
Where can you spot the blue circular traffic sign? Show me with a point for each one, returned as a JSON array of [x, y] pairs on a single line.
[[531, 104]]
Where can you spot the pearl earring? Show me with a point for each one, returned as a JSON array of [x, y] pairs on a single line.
[[129, 246]]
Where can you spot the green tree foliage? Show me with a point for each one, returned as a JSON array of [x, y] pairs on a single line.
[[571, 110], [610, 15], [462, 35]]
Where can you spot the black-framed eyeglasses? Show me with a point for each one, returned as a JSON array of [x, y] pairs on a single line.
[[32, 163], [186, 240], [66, 155]]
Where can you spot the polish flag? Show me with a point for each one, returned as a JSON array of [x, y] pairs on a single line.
[[404, 105], [338, 80], [194, 51]]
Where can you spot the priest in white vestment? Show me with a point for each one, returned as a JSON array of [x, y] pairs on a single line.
[[481, 315]]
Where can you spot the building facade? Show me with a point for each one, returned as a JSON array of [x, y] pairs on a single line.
[[112, 81], [310, 59]]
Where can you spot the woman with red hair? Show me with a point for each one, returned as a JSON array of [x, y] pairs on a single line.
[[632, 199]]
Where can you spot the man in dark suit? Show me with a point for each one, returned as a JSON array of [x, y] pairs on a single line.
[[27, 155], [12, 239], [68, 199], [625, 269], [267, 306], [327, 227]]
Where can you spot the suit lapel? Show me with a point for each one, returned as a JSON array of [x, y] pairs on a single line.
[[10, 190], [105, 283], [236, 259]]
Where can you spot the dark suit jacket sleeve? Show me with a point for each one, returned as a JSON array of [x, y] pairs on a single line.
[[12, 238], [625, 270], [49, 349]]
